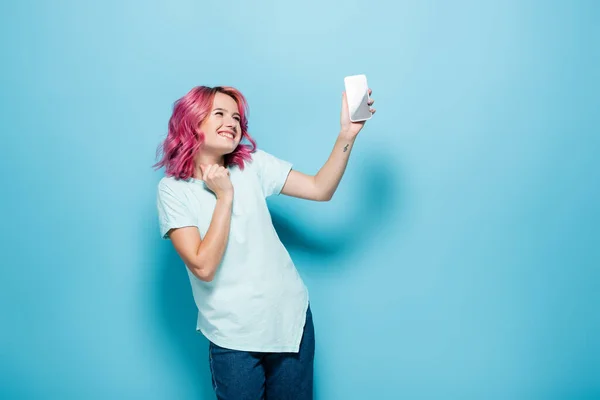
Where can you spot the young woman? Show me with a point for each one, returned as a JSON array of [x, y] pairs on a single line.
[[252, 304]]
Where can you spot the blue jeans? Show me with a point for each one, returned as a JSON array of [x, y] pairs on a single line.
[[242, 375]]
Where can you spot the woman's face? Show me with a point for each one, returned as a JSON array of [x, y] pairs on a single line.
[[222, 130]]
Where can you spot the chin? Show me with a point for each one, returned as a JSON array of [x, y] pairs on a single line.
[[221, 146]]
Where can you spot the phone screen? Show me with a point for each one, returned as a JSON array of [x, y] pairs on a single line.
[[357, 94]]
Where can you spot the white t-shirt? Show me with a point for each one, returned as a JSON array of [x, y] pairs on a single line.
[[257, 301]]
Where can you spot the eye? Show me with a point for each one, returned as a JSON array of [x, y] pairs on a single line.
[[238, 119], [218, 113]]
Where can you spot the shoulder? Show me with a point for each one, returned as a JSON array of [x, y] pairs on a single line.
[[258, 155], [172, 187], [264, 158], [172, 184], [257, 160]]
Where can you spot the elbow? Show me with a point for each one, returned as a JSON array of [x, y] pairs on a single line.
[[319, 192], [204, 275], [203, 272], [324, 197], [207, 278]]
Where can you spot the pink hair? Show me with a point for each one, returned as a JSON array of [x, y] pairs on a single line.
[[184, 139]]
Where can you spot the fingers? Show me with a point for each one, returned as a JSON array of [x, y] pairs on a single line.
[[208, 172], [212, 171], [205, 171], [371, 103], [220, 172]]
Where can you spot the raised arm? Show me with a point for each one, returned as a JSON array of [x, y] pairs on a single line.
[[323, 185]]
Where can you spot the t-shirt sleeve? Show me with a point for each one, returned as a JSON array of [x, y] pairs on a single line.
[[272, 172], [172, 212]]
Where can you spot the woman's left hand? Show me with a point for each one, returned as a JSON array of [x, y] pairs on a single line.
[[350, 129]]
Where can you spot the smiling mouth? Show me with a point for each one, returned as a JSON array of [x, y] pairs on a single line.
[[226, 135]]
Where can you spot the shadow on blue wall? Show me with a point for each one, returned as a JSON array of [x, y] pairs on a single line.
[[174, 303], [177, 312], [377, 200]]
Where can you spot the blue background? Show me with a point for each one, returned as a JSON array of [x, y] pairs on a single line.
[[459, 259]]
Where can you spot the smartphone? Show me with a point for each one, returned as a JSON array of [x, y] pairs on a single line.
[[357, 94]]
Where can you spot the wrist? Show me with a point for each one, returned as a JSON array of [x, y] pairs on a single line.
[[225, 197], [345, 134]]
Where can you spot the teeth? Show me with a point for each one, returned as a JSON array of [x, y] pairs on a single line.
[[227, 135]]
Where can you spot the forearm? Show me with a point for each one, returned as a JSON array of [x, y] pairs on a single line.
[[329, 176], [212, 248]]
